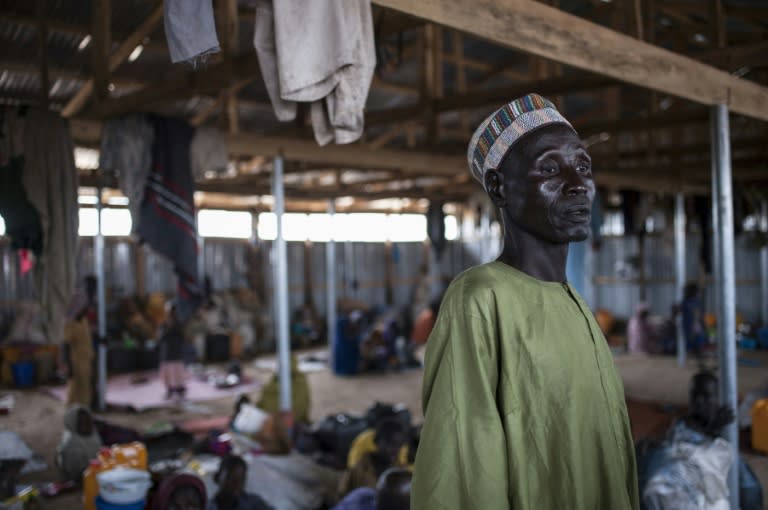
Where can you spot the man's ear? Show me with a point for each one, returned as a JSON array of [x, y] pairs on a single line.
[[494, 186]]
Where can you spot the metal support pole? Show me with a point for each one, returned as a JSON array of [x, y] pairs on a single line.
[[680, 275], [727, 311], [717, 272], [330, 285], [281, 289], [764, 262], [98, 259]]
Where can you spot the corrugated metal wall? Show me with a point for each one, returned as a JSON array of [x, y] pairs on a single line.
[[616, 286], [361, 271]]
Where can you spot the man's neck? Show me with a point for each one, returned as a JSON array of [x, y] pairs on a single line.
[[537, 258]]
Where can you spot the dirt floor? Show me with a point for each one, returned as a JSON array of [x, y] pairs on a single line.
[[38, 417]]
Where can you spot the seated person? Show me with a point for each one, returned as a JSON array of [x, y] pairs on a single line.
[[365, 443], [181, 491], [273, 432], [390, 437], [393, 492], [689, 469], [270, 396], [80, 443], [230, 479]]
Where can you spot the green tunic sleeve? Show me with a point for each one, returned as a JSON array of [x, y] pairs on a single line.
[[461, 461]]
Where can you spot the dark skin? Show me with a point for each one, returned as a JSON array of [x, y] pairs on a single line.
[[544, 189]]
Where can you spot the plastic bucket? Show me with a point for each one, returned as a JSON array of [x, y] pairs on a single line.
[[104, 505], [23, 374]]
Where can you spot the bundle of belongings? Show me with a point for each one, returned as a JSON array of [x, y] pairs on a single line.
[[689, 469]]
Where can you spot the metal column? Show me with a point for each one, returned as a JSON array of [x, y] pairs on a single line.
[[764, 263], [98, 259], [330, 285], [280, 261], [723, 199], [680, 275]]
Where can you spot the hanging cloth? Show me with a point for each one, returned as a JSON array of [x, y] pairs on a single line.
[[190, 29], [50, 182], [321, 53], [22, 223], [126, 151], [168, 212]]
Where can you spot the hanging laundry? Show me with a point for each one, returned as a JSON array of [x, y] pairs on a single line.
[[168, 212], [126, 151], [22, 223], [50, 182], [209, 153], [321, 53], [26, 261], [190, 29]]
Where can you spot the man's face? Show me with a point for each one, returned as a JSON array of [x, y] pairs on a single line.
[[547, 185]]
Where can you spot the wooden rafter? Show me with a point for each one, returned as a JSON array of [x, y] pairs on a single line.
[[122, 52], [183, 85], [345, 156], [482, 98], [547, 32], [42, 40]]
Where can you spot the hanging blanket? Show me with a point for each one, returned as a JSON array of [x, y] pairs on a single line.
[[168, 210], [50, 182]]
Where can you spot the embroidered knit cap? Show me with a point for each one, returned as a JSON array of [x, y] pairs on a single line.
[[500, 130]]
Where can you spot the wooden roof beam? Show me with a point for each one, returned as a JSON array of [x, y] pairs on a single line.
[[345, 156], [183, 85], [123, 51], [550, 33]]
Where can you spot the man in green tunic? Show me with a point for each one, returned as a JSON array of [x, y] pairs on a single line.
[[523, 406]]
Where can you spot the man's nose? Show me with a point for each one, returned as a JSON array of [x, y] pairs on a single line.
[[575, 183]]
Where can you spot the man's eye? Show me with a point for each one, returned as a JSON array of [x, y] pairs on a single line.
[[548, 169]]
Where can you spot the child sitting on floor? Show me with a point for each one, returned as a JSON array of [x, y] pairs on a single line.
[[231, 481]]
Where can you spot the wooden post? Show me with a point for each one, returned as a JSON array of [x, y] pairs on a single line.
[[429, 80], [42, 43], [719, 35], [461, 77], [100, 47], [639, 22], [229, 35]]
